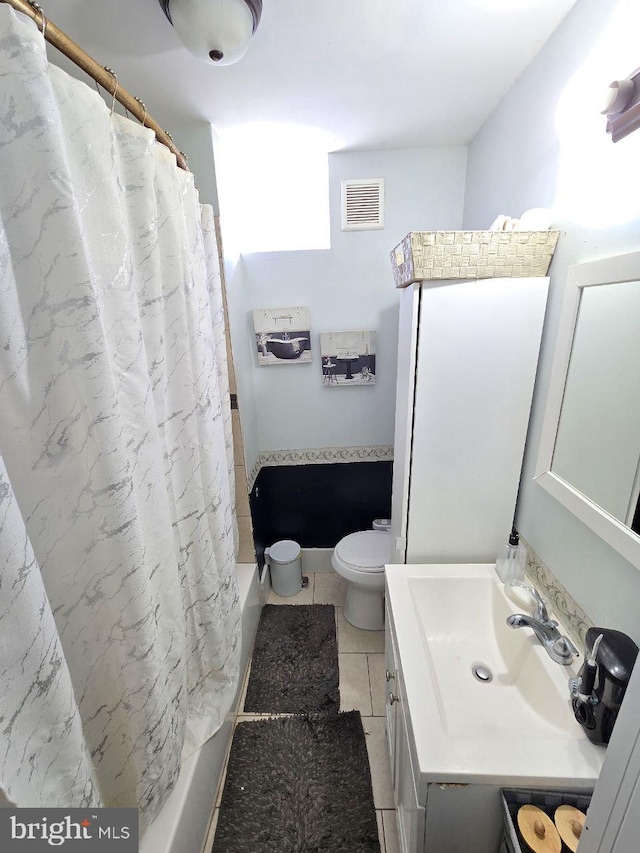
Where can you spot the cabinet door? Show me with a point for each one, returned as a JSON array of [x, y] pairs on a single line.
[[391, 706], [613, 820], [463, 819], [405, 389], [410, 814], [477, 358]]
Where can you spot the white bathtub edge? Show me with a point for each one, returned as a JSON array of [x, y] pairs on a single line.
[[181, 826]]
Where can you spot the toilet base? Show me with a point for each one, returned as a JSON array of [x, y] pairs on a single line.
[[364, 608]]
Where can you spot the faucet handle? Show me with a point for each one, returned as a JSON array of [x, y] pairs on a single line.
[[565, 648], [541, 613]]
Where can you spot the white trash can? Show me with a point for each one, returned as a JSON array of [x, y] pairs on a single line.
[[286, 567]]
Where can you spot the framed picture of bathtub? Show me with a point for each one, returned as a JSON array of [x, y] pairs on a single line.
[[348, 358], [282, 335]]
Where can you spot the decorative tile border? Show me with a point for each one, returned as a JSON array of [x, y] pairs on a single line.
[[320, 456], [568, 611]]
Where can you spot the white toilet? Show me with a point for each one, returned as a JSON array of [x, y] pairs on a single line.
[[360, 559]]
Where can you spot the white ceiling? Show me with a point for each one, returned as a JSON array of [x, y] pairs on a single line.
[[374, 74]]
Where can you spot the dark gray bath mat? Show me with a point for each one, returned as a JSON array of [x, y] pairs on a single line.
[[294, 667], [298, 785]]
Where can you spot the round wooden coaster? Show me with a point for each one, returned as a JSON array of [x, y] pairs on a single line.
[[538, 830], [570, 821]]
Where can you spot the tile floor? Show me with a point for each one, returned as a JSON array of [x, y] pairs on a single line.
[[362, 688]]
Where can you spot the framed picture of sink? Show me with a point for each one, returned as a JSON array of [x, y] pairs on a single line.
[[348, 358], [282, 335]]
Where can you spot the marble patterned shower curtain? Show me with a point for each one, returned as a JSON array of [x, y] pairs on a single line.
[[119, 614]]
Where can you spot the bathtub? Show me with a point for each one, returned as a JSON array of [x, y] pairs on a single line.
[[182, 824]]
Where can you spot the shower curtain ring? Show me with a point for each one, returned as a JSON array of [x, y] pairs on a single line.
[[43, 20], [141, 102], [115, 88]]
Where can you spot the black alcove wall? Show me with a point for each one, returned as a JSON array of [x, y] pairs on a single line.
[[316, 505]]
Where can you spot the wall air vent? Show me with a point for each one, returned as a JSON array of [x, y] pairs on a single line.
[[362, 204]]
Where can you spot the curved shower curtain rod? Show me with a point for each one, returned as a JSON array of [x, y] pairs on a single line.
[[103, 76]]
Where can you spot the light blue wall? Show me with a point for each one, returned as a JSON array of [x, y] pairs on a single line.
[[196, 141], [349, 286], [545, 146]]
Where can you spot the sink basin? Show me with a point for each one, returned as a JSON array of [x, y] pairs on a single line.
[[524, 691], [516, 727]]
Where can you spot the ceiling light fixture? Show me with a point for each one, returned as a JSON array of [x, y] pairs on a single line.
[[219, 30]]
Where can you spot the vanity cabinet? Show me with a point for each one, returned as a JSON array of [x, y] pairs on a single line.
[[410, 814], [391, 705], [454, 742], [467, 360], [431, 817]]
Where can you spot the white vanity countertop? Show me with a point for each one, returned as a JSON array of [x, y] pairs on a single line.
[[517, 730]]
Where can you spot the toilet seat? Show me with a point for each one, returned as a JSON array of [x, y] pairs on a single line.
[[360, 559], [366, 551]]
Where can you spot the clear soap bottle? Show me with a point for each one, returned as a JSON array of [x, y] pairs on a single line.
[[512, 559]]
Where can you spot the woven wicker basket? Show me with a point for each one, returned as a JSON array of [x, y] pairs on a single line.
[[424, 255]]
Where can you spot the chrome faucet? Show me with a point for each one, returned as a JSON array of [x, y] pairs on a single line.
[[559, 648]]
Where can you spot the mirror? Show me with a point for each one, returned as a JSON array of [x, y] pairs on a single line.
[[597, 446], [590, 446]]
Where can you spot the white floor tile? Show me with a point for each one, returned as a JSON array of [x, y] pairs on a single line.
[[352, 639], [391, 840], [379, 762], [330, 588], [305, 596], [355, 694], [378, 684]]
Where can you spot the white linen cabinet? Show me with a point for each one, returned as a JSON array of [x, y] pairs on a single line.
[[467, 360]]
